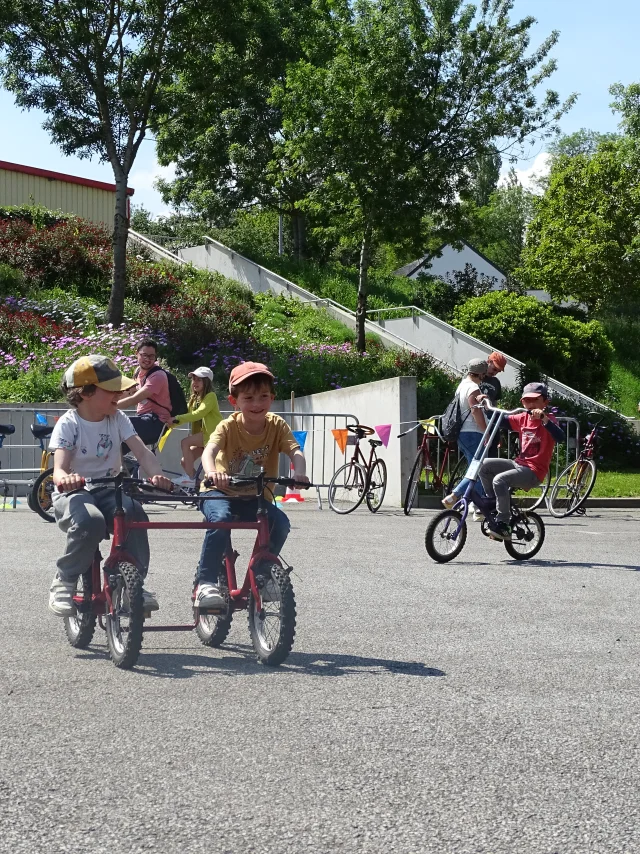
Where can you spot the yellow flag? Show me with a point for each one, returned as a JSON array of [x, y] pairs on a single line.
[[163, 439], [429, 425]]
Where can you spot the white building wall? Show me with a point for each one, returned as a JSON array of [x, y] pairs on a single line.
[[453, 260]]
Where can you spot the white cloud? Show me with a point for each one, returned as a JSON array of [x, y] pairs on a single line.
[[527, 177], [143, 180]]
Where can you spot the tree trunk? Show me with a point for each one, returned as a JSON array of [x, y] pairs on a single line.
[[363, 279], [299, 229], [115, 310]]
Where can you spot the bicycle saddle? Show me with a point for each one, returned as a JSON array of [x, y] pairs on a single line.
[[7, 429], [41, 431], [375, 443]]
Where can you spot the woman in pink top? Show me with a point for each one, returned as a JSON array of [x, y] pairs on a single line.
[[538, 432]]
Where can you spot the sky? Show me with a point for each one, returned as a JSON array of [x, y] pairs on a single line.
[[597, 47]]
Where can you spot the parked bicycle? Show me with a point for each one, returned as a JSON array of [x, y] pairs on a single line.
[[446, 533], [115, 600], [359, 479], [437, 479], [39, 497], [573, 485]]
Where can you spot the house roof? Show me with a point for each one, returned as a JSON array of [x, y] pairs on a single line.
[[60, 176], [411, 268]]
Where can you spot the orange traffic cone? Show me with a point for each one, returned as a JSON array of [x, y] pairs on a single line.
[[292, 494]]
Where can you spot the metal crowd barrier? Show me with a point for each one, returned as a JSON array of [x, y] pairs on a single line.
[[20, 454]]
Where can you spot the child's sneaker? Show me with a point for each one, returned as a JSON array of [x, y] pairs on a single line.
[[499, 531], [478, 515], [61, 597], [449, 501], [209, 596]]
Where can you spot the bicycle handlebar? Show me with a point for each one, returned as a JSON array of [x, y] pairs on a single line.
[[244, 480], [490, 408], [143, 484]]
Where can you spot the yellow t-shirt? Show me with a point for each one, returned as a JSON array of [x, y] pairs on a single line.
[[244, 454]]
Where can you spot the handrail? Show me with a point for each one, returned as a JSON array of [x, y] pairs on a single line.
[[155, 247]]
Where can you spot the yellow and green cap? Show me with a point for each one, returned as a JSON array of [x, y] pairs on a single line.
[[96, 370]]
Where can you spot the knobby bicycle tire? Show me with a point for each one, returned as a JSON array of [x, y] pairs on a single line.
[[125, 643], [212, 629], [377, 485], [80, 628], [273, 628], [576, 481]]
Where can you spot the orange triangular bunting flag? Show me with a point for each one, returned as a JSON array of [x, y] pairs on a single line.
[[341, 438]]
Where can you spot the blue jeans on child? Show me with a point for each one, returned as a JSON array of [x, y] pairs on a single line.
[[223, 509], [468, 443]]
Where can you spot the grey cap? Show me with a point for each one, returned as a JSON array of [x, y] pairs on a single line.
[[477, 366]]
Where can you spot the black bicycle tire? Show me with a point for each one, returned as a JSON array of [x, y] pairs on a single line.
[[287, 632], [80, 629], [380, 464], [35, 499], [218, 635], [363, 475], [128, 656], [413, 485], [429, 537], [541, 527], [594, 470]]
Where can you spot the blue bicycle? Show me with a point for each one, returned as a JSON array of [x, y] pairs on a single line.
[[447, 532]]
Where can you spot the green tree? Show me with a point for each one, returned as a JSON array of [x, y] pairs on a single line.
[[485, 173], [583, 241], [582, 141], [413, 94], [94, 67], [499, 228], [563, 347]]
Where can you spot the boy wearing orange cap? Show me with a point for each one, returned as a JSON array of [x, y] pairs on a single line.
[[250, 439]]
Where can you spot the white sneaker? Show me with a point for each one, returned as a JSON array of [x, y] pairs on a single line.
[[477, 515], [449, 500], [208, 596], [149, 601], [61, 597]]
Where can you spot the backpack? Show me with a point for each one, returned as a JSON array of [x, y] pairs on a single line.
[[176, 393], [451, 420]]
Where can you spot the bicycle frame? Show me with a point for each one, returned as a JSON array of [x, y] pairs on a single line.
[[472, 473], [359, 457], [427, 462], [238, 596]]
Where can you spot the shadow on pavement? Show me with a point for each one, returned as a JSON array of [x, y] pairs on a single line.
[[239, 660], [572, 563]]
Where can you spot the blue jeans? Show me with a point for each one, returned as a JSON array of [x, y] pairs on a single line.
[[216, 540], [468, 443]]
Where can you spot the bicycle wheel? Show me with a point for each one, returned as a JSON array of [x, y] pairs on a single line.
[[377, 485], [440, 539], [346, 490], [527, 535], [273, 628], [41, 496], [124, 622], [572, 488], [80, 628], [212, 629], [456, 475], [411, 492], [538, 493]]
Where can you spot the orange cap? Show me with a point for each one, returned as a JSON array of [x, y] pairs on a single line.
[[247, 369], [498, 360]]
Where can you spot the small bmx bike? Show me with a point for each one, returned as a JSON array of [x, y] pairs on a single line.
[[446, 533], [114, 599]]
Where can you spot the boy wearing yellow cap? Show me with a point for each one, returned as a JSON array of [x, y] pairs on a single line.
[[86, 442]]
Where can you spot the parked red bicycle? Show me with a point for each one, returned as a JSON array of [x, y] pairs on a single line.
[[116, 603], [438, 479]]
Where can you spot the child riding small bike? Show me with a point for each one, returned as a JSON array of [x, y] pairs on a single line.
[[538, 432], [250, 439]]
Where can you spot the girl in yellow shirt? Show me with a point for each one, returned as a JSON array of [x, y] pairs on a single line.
[[203, 415]]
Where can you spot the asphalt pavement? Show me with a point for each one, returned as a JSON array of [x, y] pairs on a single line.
[[479, 706]]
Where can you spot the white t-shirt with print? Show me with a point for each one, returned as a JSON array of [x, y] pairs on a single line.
[[95, 444], [463, 391]]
